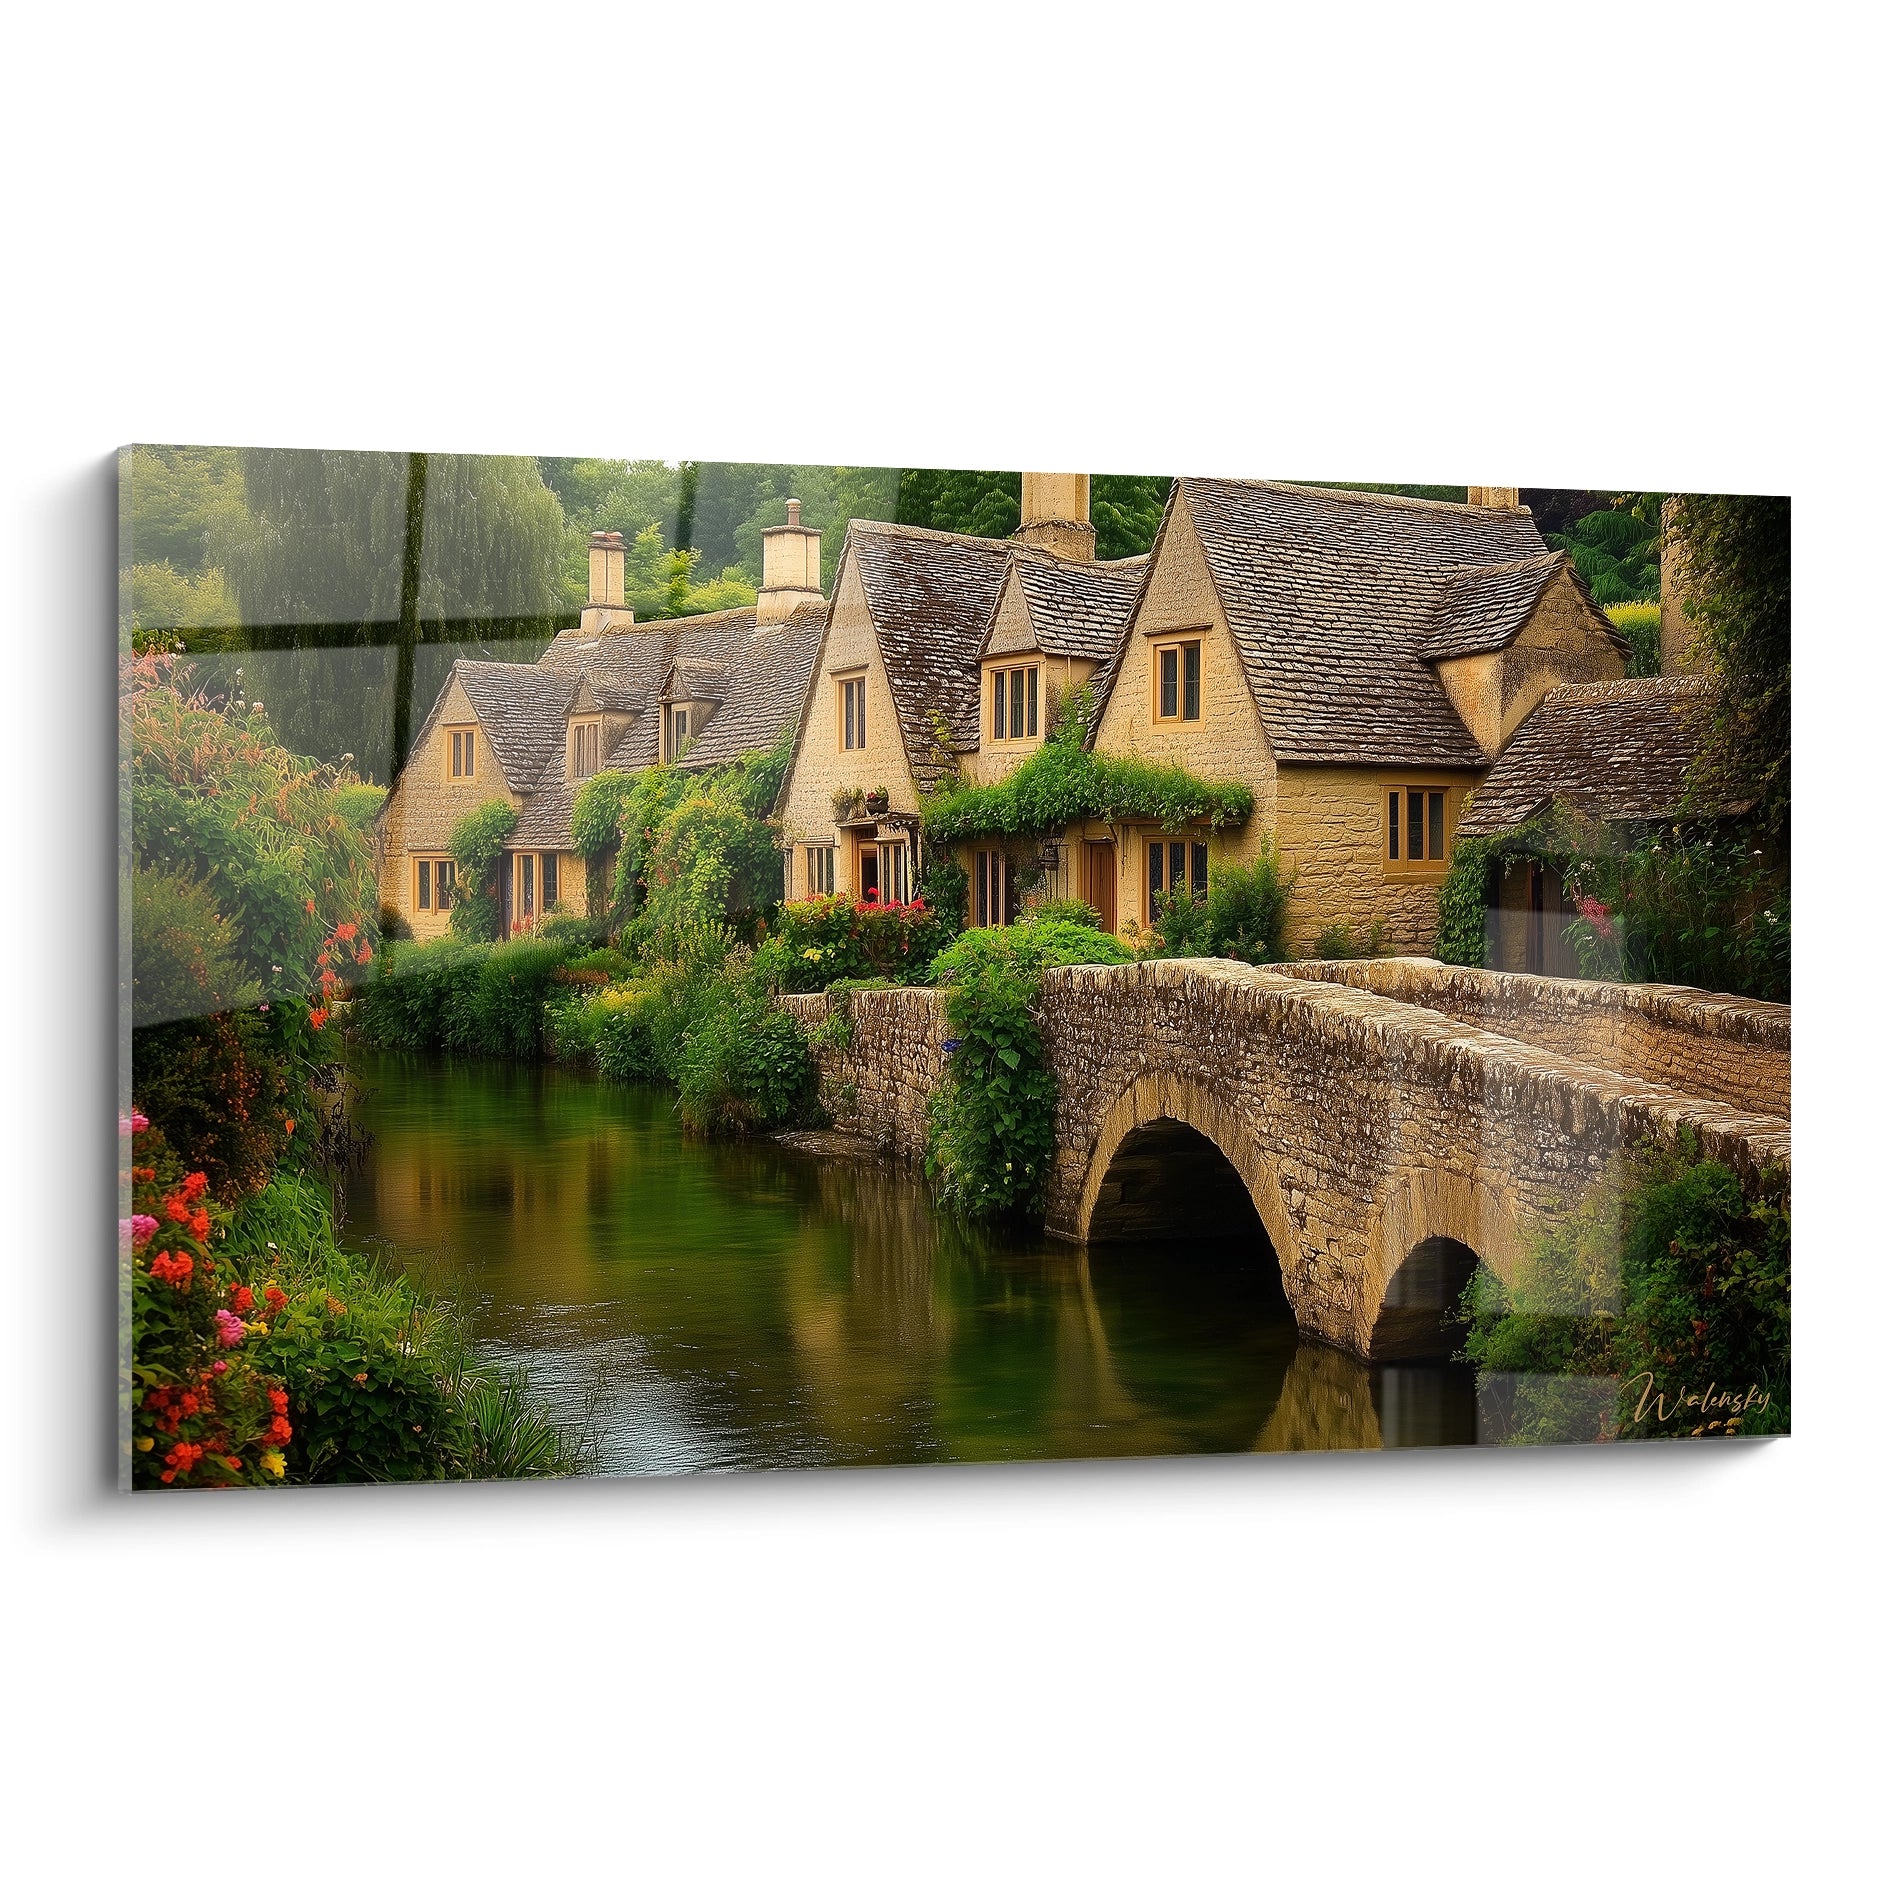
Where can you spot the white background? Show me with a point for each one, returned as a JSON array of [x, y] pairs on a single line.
[[1609, 247]]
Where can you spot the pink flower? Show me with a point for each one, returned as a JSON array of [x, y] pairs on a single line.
[[1594, 911], [229, 1327], [137, 1229]]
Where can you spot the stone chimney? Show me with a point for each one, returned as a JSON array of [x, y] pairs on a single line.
[[792, 567], [605, 608], [1055, 512], [1492, 496], [1676, 636]]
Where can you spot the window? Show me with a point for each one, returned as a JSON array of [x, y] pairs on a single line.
[[548, 879], [995, 889], [584, 751], [819, 868], [852, 712], [893, 877], [1416, 837], [680, 731], [525, 910], [1016, 703], [1174, 866], [460, 755], [1177, 674], [433, 885]]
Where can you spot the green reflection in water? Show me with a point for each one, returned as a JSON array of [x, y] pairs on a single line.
[[743, 1305]]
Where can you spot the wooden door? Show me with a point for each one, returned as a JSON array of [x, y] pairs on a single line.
[[1101, 883]]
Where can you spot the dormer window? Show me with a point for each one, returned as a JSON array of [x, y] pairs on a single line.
[[1014, 697], [460, 756], [582, 750], [677, 732]]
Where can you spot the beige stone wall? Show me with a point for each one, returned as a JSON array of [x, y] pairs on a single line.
[[821, 765], [1331, 829], [426, 803], [1710, 1045], [878, 1085], [1227, 745], [1495, 691]]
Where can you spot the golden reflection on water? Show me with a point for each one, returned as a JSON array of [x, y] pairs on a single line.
[[748, 1305]]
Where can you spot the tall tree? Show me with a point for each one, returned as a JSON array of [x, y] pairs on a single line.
[[1735, 562]]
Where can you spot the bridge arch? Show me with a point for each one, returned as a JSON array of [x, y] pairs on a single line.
[[1434, 1228], [1161, 1117]]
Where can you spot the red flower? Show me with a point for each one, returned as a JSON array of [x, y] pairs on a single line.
[[273, 1299], [309, 907], [346, 931], [173, 1271], [319, 1018]]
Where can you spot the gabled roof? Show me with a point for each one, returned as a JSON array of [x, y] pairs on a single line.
[[1616, 752], [1077, 608], [760, 672], [694, 680], [1330, 595], [930, 596], [522, 711], [1484, 608]]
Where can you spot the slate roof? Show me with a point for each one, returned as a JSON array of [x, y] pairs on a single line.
[[1484, 608], [931, 596], [759, 674], [1077, 609], [522, 710], [1330, 596], [1615, 752]]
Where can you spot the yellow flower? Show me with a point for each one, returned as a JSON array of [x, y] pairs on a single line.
[[272, 1464], [143, 1443]]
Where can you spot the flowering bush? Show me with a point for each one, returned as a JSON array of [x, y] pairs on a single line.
[[204, 1413], [834, 937]]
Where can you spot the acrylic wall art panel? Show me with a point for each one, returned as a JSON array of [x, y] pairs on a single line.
[[644, 968]]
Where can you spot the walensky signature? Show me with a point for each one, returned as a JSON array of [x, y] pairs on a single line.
[[1723, 1404]]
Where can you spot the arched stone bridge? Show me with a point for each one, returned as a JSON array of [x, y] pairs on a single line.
[[1384, 1122]]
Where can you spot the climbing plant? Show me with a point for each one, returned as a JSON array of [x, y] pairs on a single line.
[[477, 844], [1064, 782], [989, 1124]]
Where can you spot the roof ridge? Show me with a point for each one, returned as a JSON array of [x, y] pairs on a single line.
[[931, 532], [1551, 555], [1394, 500], [1671, 683]]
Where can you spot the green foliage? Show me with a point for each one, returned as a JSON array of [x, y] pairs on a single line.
[[813, 944], [381, 1378], [1240, 918], [1639, 620], [270, 839], [480, 998], [1339, 941], [478, 846], [744, 1063], [1669, 1279], [180, 507], [1127, 510], [158, 599], [1063, 782], [1081, 913], [1691, 904], [1735, 564], [959, 500], [598, 812], [1616, 549], [360, 803], [989, 1128], [185, 961]]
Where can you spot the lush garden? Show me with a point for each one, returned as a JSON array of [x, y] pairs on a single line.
[[262, 1351], [1659, 1307]]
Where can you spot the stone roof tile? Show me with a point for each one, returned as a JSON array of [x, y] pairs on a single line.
[[1615, 752]]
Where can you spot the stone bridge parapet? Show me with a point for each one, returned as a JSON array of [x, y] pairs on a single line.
[[1363, 1127]]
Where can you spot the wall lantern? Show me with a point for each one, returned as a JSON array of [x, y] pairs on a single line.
[[1048, 854]]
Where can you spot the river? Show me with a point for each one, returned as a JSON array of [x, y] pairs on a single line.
[[713, 1306]]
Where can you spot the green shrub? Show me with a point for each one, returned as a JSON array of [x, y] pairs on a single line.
[[1339, 941], [1081, 913], [482, 998], [1638, 620], [944, 887], [1240, 918], [1668, 1279], [989, 1137], [360, 803], [381, 1377], [743, 1064], [184, 953], [812, 944]]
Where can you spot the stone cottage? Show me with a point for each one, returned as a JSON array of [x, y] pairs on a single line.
[[607, 694], [1614, 753], [945, 655], [1360, 661]]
